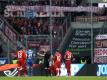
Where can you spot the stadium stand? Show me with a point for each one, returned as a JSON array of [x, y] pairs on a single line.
[[63, 23]]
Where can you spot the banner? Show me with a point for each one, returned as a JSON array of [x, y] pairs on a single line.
[[101, 37], [53, 8], [88, 18], [54, 11], [100, 49], [3, 61], [80, 42], [38, 41], [10, 70], [30, 12], [33, 44], [101, 70], [96, 1]]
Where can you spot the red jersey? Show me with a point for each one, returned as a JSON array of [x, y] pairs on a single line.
[[67, 55], [57, 57], [21, 55]]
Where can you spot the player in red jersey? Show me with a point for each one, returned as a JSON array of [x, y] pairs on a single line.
[[21, 61], [57, 62], [67, 59]]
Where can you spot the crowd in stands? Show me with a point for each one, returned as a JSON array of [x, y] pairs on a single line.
[[35, 26], [47, 2], [30, 27], [38, 26]]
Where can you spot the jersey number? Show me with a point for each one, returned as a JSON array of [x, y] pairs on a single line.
[[69, 56], [29, 55], [19, 54]]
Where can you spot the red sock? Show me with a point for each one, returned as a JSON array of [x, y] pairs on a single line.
[[18, 71], [56, 72]]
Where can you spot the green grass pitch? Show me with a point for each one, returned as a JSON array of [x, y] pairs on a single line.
[[54, 78]]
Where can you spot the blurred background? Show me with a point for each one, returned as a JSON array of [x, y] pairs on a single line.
[[77, 25]]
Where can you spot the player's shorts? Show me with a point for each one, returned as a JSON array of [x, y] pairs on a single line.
[[29, 63]]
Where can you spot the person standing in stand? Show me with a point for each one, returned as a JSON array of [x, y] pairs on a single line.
[[57, 62], [67, 59], [21, 61]]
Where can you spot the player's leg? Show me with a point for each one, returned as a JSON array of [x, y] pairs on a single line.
[[56, 68], [51, 70], [67, 65], [24, 69], [59, 66], [69, 72], [19, 65], [30, 69]]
